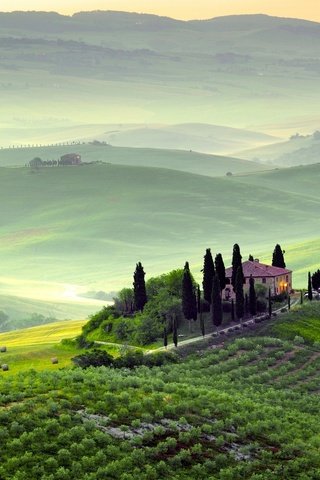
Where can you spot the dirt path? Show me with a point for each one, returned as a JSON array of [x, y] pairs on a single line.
[[237, 328]]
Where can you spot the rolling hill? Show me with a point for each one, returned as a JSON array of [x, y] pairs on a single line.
[[191, 162], [108, 67], [86, 227], [299, 150], [198, 137]]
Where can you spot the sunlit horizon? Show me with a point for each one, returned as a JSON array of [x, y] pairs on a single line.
[[181, 9]]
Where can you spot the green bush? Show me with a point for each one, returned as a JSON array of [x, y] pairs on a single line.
[[95, 358]]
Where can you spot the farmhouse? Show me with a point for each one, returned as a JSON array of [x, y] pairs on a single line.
[[279, 280], [70, 159]]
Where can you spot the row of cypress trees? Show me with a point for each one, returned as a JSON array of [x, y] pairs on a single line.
[[213, 283]]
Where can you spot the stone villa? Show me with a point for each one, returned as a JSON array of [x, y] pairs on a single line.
[[279, 280]]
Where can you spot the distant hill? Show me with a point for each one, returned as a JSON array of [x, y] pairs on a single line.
[[192, 162], [299, 150], [199, 137], [252, 72]]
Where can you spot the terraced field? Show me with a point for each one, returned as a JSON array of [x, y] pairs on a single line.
[[248, 409]]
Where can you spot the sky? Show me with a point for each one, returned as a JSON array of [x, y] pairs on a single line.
[[182, 9]]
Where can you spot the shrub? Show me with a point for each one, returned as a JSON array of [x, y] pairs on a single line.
[[298, 340], [131, 359], [96, 358], [96, 319], [123, 329], [82, 342]]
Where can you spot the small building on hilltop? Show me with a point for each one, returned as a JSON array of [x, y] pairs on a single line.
[[70, 159], [279, 280]]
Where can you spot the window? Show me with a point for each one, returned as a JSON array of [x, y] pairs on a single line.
[[264, 280]]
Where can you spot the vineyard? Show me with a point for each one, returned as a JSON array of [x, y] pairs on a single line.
[[246, 409]]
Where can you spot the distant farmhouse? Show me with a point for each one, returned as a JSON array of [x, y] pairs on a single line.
[[279, 280], [70, 159]]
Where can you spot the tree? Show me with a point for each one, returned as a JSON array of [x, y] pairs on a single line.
[[269, 303], [202, 327], [309, 287], [220, 270], [239, 293], [236, 263], [139, 288], [208, 273], [36, 162], [252, 297], [189, 301], [171, 282], [217, 313], [232, 310], [277, 257], [125, 301], [198, 299], [175, 332], [165, 338], [315, 278]]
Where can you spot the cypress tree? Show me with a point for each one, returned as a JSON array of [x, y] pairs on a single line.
[[165, 338], [277, 257], [246, 304], [175, 331], [189, 301], [198, 299], [239, 294], [252, 297], [220, 270], [208, 274], [217, 313], [236, 263], [232, 310], [309, 287], [315, 278], [269, 304], [139, 287], [202, 328]]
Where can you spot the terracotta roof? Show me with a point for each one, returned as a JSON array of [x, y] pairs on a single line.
[[257, 269]]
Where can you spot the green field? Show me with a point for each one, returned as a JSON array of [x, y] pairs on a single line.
[[191, 162], [33, 348], [246, 408], [198, 137], [302, 322], [84, 228]]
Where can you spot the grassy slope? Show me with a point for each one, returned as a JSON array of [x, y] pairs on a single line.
[[198, 137], [192, 162], [52, 303], [302, 151], [34, 347], [257, 397], [302, 321], [89, 225]]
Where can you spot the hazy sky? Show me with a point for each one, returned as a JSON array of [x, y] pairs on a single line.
[[183, 9]]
